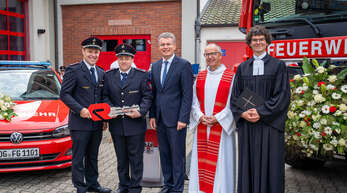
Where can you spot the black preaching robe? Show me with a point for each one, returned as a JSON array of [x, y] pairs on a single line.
[[261, 144]]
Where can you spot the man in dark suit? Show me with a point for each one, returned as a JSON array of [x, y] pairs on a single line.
[[82, 86], [172, 81], [126, 86]]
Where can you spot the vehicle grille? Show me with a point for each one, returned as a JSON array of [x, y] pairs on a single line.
[[43, 157], [29, 136], [18, 166]]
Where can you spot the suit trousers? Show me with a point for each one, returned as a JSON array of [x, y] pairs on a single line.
[[129, 152], [85, 149], [172, 146]]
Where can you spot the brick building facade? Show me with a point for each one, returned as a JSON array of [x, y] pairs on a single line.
[[138, 18]]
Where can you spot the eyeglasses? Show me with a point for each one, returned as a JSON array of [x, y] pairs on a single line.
[[211, 54], [258, 40]]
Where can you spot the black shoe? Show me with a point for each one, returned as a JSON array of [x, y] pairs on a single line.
[[164, 190], [99, 189], [120, 191]]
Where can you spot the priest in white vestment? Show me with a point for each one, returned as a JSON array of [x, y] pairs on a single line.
[[224, 178]]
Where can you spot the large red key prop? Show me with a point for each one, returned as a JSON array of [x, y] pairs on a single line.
[[100, 111]]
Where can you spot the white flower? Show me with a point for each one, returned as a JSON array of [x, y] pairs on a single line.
[[316, 87], [344, 88], [302, 114], [342, 142], [325, 109], [333, 142], [338, 131], [323, 121], [319, 98], [345, 116], [297, 77], [316, 117], [330, 87], [298, 90], [328, 147], [1, 102], [338, 113], [300, 102], [320, 69], [316, 125], [304, 88], [307, 112], [343, 107], [317, 135], [302, 124], [2, 107], [292, 106], [332, 66], [311, 103], [332, 78], [290, 114], [1, 117], [7, 105], [328, 130], [336, 123], [336, 96]]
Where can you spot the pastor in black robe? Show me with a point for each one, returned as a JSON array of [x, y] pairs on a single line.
[[261, 144]]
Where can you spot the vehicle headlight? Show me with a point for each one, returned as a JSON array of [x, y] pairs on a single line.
[[62, 131]]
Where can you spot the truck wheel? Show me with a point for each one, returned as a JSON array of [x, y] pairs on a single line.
[[305, 163]]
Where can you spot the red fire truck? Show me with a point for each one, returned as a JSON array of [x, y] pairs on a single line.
[[301, 28]]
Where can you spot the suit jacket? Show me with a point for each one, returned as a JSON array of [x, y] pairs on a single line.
[[135, 91], [173, 102], [79, 91]]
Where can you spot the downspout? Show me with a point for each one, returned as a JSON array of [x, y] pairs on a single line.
[[56, 36], [197, 28]]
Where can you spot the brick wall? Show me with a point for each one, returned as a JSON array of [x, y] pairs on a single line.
[[153, 18]]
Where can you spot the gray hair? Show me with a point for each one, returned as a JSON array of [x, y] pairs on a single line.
[[167, 35], [216, 46]]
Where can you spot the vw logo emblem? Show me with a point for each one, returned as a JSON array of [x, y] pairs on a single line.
[[16, 137]]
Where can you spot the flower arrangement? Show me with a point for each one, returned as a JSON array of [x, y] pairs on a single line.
[[317, 116], [6, 108]]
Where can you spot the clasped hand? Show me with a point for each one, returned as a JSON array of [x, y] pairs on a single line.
[[251, 115], [208, 120]]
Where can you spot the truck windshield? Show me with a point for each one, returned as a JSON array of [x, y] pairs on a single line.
[[29, 84], [294, 11]]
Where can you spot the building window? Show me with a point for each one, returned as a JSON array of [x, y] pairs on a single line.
[[12, 30]]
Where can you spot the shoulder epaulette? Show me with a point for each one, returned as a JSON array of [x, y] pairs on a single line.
[[139, 69], [111, 70]]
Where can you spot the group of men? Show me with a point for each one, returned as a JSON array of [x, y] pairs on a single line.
[[211, 106]]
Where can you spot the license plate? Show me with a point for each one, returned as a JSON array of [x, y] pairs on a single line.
[[13, 154]]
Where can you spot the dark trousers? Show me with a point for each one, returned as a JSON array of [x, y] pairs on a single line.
[[172, 146], [85, 149], [129, 151]]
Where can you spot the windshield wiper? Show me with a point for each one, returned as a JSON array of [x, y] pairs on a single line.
[[313, 26]]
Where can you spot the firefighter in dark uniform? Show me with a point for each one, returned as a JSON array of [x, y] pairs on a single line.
[[123, 87], [82, 86]]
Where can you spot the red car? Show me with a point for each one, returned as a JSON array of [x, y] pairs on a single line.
[[38, 138]]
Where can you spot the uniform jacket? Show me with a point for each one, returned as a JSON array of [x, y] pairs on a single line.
[[173, 101], [79, 91], [135, 91]]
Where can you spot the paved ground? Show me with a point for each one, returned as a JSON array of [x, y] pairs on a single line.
[[330, 179]]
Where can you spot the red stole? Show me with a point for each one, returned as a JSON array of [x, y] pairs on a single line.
[[208, 150]]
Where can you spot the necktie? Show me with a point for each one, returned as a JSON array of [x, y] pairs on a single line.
[[92, 70], [124, 77], [164, 73]]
